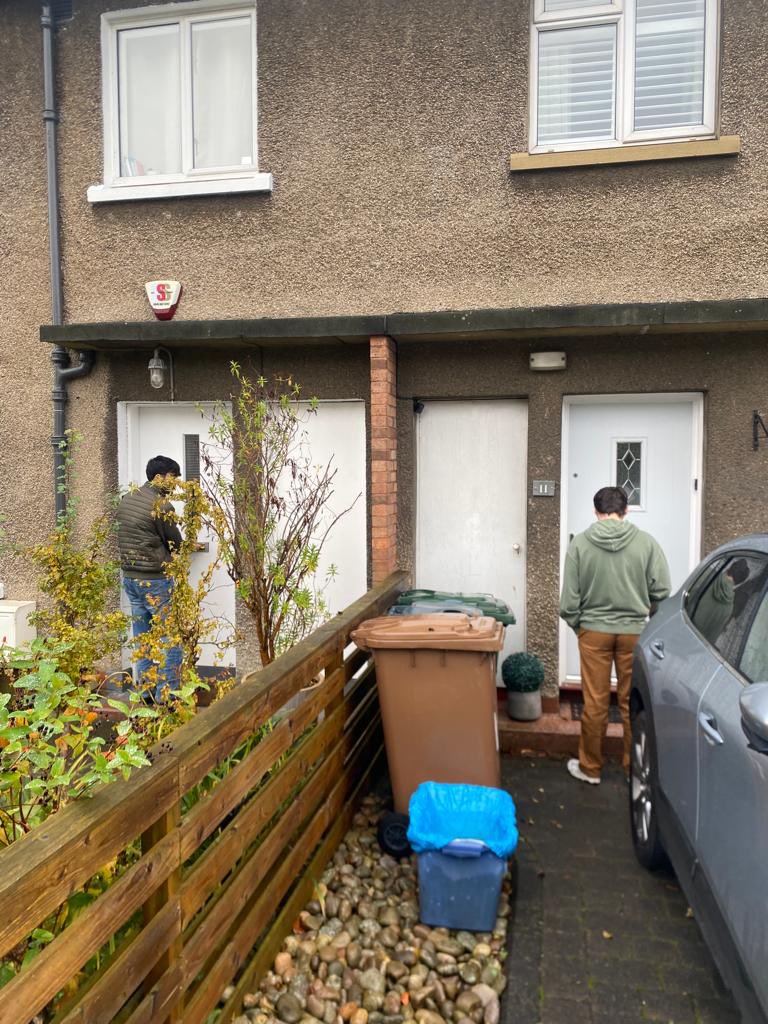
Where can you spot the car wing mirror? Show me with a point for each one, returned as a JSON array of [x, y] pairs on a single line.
[[753, 704]]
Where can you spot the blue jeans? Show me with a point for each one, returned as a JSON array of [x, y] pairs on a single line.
[[150, 598]]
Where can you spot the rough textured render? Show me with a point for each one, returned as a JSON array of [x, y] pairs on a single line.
[[388, 127], [735, 494], [26, 487]]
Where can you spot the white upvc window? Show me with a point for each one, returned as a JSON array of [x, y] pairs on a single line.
[[179, 101], [621, 72]]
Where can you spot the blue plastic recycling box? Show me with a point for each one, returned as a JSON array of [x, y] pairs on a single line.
[[463, 836]]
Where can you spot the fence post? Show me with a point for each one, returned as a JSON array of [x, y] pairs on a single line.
[[336, 663], [164, 894]]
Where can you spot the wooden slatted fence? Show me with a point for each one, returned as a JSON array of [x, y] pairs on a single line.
[[228, 832]]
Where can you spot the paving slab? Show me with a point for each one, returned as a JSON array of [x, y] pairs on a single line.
[[594, 938]]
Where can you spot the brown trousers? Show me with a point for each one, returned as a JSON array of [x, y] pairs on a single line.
[[598, 652]]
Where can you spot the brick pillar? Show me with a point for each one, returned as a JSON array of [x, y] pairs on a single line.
[[383, 458]]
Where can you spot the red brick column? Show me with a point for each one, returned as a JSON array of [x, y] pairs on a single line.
[[383, 458]]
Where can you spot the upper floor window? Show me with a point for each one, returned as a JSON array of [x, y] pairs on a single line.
[[619, 72], [179, 101]]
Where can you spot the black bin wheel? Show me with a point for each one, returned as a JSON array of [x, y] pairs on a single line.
[[393, 834]]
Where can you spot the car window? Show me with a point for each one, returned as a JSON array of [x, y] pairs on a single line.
[[727, 603], [701, 583], [754, 658]]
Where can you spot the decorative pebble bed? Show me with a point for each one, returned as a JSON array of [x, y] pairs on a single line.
[[360, 956]]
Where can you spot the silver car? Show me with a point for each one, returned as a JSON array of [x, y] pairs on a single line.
[[699, 764]]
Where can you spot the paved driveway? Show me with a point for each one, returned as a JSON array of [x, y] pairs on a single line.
[[595, 939]]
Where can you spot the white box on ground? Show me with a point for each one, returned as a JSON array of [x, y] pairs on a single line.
[[15, 627]]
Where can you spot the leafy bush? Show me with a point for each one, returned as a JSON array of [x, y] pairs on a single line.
[[522, 672], [81, 582], [49, 752]]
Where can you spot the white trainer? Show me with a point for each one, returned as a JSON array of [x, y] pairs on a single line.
[[575, 769]]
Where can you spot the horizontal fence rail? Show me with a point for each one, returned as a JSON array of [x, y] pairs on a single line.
[[221, 842]]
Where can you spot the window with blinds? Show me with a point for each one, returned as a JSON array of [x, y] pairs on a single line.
[[616, 72], [669, 63], [577, 76]]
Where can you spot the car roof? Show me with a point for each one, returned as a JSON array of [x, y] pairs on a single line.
[[750, 542]]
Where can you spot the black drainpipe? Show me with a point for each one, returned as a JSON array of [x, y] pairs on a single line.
[[62, 371]]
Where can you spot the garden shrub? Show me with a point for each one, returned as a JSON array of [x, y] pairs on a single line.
[[522, 672], [271, 507]]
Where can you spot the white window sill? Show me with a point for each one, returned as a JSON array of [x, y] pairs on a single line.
[[261, 182]]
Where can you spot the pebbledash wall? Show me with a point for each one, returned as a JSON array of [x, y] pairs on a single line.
[[26, 490], [388, 128], [726, 368]]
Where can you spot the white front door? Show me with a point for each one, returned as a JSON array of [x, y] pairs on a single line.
[[337, 431], [471, 502], [147, 429], [651, 446], [177, 430]]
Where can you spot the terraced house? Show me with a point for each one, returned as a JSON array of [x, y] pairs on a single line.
[[517, 248]]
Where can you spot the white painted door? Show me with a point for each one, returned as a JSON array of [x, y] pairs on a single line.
[[471, 502], [176, 430], [651, 446], [338, 430]]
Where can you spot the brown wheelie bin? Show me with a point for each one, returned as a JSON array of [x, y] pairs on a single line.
[[437, 688]]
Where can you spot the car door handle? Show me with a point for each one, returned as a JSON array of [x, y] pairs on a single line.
[[709, 728], [657, 647]]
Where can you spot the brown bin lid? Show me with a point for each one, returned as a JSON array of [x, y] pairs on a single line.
[[455, 632]]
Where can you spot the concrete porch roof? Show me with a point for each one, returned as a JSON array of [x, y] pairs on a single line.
[[694, 317]]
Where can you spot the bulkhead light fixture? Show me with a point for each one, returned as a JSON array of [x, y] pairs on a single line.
[[157, 367], [542, 361], [157, 370]]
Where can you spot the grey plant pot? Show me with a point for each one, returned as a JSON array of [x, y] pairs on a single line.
[[524, 707]]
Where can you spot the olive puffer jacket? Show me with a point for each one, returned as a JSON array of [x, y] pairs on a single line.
[[145, 533]]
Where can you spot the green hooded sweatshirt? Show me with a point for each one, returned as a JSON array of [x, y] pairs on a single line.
[[715, 607], [613, 573]]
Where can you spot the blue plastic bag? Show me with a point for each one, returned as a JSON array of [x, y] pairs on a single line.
[[442, 812]]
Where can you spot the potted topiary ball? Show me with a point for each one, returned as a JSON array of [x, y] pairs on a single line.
[[523, 675]]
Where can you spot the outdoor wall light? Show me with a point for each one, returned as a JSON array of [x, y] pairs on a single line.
[[547, 361], [157, 367]]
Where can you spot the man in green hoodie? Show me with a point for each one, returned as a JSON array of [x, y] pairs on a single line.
[[613, 574]]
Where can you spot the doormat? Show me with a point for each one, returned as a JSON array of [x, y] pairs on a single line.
[[577, 710]]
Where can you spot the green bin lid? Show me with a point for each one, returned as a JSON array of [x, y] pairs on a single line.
[[487, 603]]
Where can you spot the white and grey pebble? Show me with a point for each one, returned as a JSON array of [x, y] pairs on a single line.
[[362, 956]]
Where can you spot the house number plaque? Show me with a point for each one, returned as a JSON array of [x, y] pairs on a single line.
[[543, 488]]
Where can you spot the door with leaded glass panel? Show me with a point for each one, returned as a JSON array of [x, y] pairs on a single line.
[[651, 446]]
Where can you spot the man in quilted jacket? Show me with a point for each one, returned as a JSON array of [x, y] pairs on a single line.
[[146, 537]]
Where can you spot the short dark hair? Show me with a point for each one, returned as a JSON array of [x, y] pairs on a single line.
[[611, 500], [161, 465], [738, 571]]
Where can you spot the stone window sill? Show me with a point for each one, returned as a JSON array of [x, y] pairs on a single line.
[[727, 145], [261, 182]]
